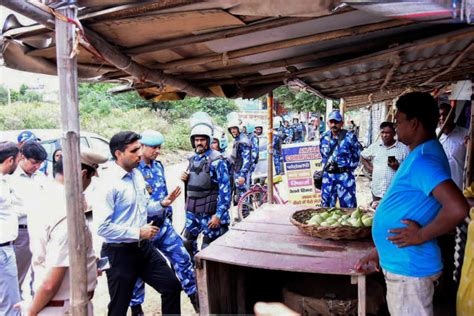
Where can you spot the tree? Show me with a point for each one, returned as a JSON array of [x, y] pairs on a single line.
[[218, 108], [299, 101], [95, 97]]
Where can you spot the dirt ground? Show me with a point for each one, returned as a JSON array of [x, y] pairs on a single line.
[[152, 305]]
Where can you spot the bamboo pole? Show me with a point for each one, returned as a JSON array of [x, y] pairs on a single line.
[[470, 151], [270, 146], [67, 73], [448, 118]]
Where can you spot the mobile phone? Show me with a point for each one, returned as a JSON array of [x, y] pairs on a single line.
[[103, 264], [391, 159]]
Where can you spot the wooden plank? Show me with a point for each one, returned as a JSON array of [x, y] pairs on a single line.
[[268, 228], [297, 240], [310, 249], [342, 265], [361, 295], [201, 280]]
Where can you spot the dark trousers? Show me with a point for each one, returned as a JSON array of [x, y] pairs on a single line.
[[127, 263]]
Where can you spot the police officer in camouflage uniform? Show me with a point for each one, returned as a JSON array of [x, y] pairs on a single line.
[[167, 240], [208, 190], [255, 142], [298, 130], [287, 132], [277, 142], [338, 178], [241, 157]]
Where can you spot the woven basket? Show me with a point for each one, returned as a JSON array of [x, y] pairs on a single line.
[[300, 218]]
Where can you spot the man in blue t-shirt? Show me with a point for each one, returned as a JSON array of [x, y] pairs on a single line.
[[421, 204]]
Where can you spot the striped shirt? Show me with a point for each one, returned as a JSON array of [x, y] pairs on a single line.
[[382, 174]]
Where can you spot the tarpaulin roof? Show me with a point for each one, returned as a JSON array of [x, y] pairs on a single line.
[[232, 48]]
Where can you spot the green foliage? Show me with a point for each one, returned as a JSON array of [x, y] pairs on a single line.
[[29, 116], [94, 97], [218, 108], [22, 95], [106, 114], [3, 95], [299, 101]]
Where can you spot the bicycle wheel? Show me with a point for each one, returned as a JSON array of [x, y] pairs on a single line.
[[250, 201]]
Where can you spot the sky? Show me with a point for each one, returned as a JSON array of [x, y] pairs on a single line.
[[13, 79]]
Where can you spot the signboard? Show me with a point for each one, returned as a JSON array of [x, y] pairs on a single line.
[[300, 161]]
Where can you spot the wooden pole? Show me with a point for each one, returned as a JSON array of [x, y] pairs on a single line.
[[67, 73], [270, 146], [470, 151], [448, 118]]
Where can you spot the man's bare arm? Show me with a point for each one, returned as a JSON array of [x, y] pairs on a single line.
[[48, 289]]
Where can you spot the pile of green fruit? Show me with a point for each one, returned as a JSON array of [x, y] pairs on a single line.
[[335, 217]]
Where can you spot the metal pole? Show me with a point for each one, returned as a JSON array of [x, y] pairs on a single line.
[[270, 147], [67, 74]]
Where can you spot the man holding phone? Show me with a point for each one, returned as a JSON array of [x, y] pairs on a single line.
[[383, 159], [121, 215]]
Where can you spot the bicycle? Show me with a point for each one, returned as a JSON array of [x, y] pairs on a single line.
[[258, 195]]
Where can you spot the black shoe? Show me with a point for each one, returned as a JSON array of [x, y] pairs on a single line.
[[195, 301], [137, 310]]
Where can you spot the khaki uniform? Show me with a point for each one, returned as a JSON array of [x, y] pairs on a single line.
[[49, 245]]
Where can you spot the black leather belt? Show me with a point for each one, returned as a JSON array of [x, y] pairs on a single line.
[[23, 226], [338, 170], [8, 243], [137, 244]]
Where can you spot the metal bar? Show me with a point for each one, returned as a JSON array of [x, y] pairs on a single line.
[[270, 147], [67, 73]]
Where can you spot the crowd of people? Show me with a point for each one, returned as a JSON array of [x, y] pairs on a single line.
[[416, 183]]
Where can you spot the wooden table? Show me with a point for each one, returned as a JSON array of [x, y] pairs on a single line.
[[267, 240]]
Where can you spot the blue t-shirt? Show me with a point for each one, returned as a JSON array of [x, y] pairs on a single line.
[[410, 197]]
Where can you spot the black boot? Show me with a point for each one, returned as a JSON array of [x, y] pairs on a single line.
[[137, 310], [195, 301]]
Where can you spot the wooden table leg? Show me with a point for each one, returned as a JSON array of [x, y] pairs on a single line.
[[201, 280], [361, 298]]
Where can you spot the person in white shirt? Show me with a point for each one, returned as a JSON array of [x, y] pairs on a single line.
[[383, 158], [49, 245], [453, 140], [26, 181], [9, 289]]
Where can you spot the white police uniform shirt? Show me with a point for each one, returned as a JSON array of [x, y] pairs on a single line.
[[49, 242], [8, 218], [27, 188], [453, 145]]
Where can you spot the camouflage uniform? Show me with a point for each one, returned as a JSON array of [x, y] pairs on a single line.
[[197, 222], [167, 240], [340, 184]]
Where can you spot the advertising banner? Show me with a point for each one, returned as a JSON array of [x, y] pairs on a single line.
[[301, 160]]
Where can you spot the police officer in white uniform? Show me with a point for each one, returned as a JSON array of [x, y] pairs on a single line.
[[9, 289], [49, 245]]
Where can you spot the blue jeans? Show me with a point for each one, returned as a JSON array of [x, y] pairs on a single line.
[[9, 289], [171, 245]]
